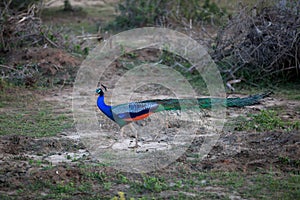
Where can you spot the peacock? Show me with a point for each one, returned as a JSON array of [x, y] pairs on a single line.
[[124, 114]]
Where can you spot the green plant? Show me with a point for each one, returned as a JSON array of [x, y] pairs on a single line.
[[75, 159], [137, 14], [40, 123], [199, 10], [133, 14], [154, 184], [100, 177], [65, 187], [28, 116], [266, 185], [266, 120], [107, 185], [80, 50], [122, 179], [48, 167], [289, 161], [37, 163], [125, 54]]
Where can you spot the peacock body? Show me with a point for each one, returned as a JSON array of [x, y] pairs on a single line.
[[124, 114]]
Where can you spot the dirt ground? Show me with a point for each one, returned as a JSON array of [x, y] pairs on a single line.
[[25, 160], [31, 166]]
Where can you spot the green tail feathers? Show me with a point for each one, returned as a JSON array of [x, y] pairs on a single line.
[[202, 103], [246, 101]]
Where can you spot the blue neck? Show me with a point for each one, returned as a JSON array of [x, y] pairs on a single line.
[[104, 108]]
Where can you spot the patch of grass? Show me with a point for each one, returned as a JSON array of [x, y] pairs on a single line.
[[85, 19], [230, 179], [107, 185], [58, 190], [100, 177], [149, 184], [289, 161], [37, 123], [122, 179], [290, 90], [24, 114], [37, 163], [48, 167], [266, 186], [261, 186], [64, 187], [5, 197], [103, 179], [134, 14], [36, 185], [154, 184], [196, 185], [266, 120]]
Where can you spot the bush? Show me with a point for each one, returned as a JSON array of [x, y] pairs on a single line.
[[19, 28], [141, 13], [198, 11], [18, 5], [133, 14], [260, 46]]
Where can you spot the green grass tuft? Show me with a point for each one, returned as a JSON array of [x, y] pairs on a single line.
[[38, 123], [23, 113], [266, 120]]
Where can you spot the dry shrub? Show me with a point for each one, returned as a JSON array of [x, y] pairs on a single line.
[[18, 5], [24, 28], [260, 43], [26, 56], [19, 28]]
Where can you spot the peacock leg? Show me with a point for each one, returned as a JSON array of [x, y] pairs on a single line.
[[122, 133], [136, 136]]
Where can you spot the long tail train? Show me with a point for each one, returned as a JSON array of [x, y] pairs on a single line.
[[123, 114]]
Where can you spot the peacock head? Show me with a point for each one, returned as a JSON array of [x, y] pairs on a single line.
[[99, 91]]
